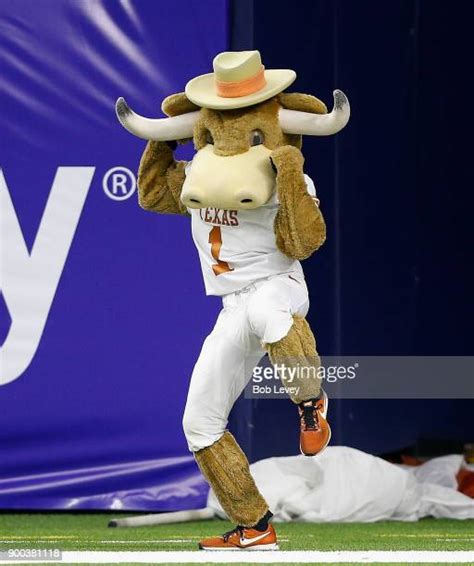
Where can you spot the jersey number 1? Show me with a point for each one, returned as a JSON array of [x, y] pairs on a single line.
[[215, 239]]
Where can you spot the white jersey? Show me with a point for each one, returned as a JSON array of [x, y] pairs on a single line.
[[238, 247]]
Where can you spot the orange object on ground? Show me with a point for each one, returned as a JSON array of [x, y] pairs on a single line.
[[466, 482]]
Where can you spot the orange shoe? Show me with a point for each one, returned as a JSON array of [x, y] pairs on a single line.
[[242, 538], [315, 431]]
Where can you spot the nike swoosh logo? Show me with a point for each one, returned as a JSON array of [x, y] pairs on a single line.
[[249, 541]]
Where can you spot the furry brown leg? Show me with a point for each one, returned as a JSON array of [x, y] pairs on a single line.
[[226, 469], [297, 350]]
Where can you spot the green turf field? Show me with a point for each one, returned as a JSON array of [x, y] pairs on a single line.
[[90, 532]]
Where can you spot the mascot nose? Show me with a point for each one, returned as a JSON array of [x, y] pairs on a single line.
[[244, 197], [192, 198]]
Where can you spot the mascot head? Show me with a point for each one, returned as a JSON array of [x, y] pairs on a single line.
[[237, 116]]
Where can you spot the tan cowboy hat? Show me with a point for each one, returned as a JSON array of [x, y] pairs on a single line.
[[239, 80]]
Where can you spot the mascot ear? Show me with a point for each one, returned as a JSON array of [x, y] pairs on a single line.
[[177, 104], [302, 102]]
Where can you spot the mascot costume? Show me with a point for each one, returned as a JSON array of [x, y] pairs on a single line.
[[254, 215]]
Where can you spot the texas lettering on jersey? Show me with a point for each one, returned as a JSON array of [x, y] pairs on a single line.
[[219, 217]]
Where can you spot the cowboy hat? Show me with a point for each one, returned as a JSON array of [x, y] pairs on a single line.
[[239, 80]]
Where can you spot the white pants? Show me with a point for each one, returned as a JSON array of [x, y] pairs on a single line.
[[260, 313]]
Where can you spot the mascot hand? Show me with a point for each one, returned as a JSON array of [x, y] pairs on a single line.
[[158, 154], [287, 159], [162, 146]]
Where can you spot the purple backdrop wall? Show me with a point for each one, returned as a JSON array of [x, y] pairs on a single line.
[[95, 419]]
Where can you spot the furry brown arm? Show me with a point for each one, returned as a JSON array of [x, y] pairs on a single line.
[[160, 180], [299, 224]]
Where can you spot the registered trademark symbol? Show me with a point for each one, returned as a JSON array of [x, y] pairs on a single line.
[[119, 183]]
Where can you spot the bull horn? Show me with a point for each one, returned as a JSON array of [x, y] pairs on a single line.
[[162, 129], [305, 123]]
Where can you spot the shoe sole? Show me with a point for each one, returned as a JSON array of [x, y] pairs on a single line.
[[323, 414], [322, 448], [273, 546], [326, 405]]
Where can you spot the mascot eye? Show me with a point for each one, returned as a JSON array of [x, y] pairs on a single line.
[[256, 137], [209, 138]]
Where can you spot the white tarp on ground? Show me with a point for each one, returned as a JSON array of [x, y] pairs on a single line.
[[344, 484]]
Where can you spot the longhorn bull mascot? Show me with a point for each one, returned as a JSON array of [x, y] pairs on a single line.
[[254, 216]]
